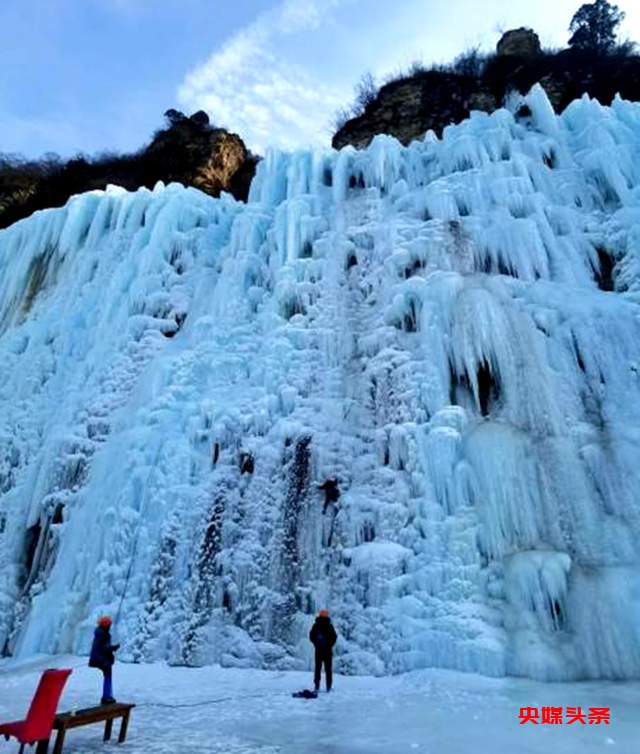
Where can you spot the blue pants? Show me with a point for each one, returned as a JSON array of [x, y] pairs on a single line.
[[107, 684]]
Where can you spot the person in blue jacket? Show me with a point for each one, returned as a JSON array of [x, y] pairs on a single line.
[[103, 656], [323, 637]]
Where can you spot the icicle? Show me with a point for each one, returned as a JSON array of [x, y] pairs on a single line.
[[447, 332]]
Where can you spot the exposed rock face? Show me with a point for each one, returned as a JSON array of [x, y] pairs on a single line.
[[227, 156], [409, 108], [188, 151], [521, 42], [433, 99], [200, 156], [230, 167]]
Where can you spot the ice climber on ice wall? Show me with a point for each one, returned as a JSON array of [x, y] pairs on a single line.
[[451, 329]]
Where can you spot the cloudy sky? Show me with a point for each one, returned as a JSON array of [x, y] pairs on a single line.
[[94, 75]]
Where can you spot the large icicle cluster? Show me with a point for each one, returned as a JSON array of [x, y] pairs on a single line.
[[450, 330]]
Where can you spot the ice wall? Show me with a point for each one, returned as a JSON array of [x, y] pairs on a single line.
[[450, 330]]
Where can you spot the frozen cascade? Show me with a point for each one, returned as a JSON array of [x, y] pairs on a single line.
[[451, 330]]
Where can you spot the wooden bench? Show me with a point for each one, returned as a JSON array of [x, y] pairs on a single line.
[[106, 713]]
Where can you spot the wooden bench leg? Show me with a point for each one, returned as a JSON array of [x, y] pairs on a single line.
[[57, 749], [123, 728], [43, 746], [108, 726]]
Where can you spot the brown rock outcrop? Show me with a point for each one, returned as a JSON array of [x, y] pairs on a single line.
[[409, 108], [228, 153], [188, 151], [522, 42], [432, 99], [197, 154]]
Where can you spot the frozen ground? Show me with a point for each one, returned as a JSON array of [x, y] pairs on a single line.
[[252, 712]]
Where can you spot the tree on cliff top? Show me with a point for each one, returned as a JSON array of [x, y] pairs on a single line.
[[594, 26]]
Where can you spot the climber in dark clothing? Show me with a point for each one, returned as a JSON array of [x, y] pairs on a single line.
[[331, 492], [323, 637], [102, 656]]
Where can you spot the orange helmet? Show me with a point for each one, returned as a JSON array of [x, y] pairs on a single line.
[[323, 614], [104, 621]]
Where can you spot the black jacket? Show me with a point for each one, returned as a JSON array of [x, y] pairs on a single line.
[[331, 490], [102, 650], [323, 635]]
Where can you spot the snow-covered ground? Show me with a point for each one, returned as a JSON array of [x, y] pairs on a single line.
[[238, 711]]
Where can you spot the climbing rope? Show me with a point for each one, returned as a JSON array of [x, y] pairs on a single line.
[[206, 702]]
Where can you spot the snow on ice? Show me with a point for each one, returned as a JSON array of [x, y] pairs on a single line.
[[217, 710], [450, 329]]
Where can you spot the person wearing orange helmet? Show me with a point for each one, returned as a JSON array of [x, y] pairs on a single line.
[[102, 656], [323, 636]]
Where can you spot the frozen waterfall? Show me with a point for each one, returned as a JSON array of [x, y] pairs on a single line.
[[450, 329]]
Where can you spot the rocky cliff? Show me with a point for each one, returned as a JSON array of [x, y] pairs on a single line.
[[433, 99], [188, 151]]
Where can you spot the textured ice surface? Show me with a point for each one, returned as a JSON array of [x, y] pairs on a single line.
[[451, 329], [235, 711]]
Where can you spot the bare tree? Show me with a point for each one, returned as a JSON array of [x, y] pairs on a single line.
[[366, 91]]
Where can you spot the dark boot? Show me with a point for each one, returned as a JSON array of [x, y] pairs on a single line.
[[317, 672]]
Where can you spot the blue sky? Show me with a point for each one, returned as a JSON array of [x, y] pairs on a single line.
[[94, 75]]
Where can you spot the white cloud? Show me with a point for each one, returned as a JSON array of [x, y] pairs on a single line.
[[278, 81], [251, 85]]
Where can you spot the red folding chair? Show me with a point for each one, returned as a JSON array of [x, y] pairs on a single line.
[[36, 727]]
